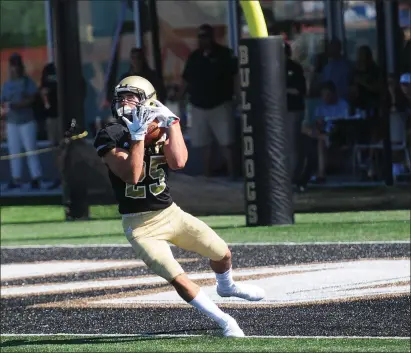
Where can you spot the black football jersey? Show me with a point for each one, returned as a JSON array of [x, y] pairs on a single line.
[[152, 191]]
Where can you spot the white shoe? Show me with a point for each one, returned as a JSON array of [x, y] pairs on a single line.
[[231, 329], [244, 291]]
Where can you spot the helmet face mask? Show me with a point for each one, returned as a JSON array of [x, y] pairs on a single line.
[[132, 92], [125, 102]]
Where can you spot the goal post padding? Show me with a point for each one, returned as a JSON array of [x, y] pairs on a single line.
[[266, 133]]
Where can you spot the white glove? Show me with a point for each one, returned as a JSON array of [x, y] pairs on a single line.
[[164, 115], [142, 117]]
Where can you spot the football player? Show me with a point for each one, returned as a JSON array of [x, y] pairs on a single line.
[[138, 174]]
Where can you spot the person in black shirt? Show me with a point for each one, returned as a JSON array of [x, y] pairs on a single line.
[[210, 77], [405, 84], [49, 95], [138, 174]]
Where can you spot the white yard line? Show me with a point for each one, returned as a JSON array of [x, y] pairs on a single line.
[[69, 246], [182, 335]]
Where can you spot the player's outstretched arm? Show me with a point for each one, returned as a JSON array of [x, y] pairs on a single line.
[[175, 149]]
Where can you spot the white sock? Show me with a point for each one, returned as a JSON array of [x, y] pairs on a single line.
[[225, 280], [203, 303]]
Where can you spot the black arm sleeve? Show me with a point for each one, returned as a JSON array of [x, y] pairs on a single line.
[[104, 142]]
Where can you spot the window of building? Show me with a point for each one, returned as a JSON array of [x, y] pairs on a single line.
[[27, 37], [106, 31], [179, 21], [360, 22], [303, 25]]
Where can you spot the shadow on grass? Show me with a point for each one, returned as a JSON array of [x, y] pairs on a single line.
[[233, 226], [313, 224], [60, 221], [76, 341], [64, 237], [97, 340]]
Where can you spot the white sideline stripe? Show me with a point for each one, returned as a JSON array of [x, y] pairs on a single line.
[[353, 278], [230, 244], [181, 335]]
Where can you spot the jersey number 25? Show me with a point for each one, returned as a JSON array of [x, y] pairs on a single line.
[[156, 173]]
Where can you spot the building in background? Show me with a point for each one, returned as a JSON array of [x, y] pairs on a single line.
[[305, 24]]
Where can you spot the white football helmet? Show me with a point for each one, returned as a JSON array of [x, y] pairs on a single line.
[[137, 85]]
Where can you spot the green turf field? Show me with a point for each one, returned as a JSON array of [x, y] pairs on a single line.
[[198, 344], [36, 225]]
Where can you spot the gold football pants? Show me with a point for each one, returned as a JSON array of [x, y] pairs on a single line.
[[150, 232]]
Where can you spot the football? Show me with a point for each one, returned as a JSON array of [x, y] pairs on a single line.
[[154, 132]]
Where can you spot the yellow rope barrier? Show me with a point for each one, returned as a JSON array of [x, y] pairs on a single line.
[[41, 150]]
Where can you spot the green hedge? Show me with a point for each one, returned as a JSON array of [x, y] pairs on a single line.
[[22, 24]]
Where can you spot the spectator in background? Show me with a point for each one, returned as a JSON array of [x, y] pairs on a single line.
[[397, 99], [307, 163], [331, 106], [140, 67], [48, 94], [17, 97], [314, 78], [366, 86], [210, 78], [318, 62], [405, 52], [398, 107], [321, 58], [366, 89], [338, 69], [405, 82], [296, 91]]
